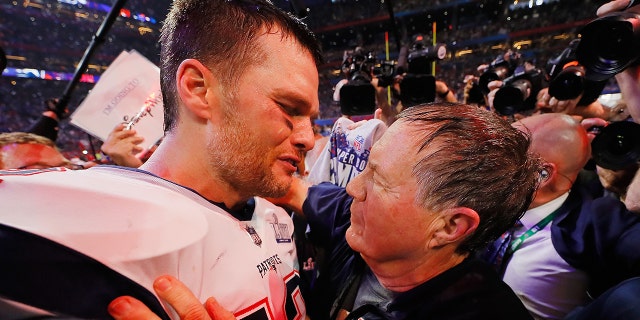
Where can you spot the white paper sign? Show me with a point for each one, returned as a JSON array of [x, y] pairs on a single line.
[[127, 92]]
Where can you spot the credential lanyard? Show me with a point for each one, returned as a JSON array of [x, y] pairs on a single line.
[[516, 243]]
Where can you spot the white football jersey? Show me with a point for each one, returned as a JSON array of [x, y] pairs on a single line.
[[144, 226], [346, 152]]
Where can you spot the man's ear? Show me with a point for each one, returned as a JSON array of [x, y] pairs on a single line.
[[194, 83], [457, 224]]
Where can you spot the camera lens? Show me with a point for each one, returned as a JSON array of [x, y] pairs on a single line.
[[511, 97], [617, 145], [568, 84], [609, 45]]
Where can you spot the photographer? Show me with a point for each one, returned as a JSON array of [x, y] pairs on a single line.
[[391, 86], [629, 83], [570, 90], [629, 79], [362, 90], [414, 81], [510, 85]]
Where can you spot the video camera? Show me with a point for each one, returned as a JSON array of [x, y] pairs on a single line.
[[567, 77], [610, 44], [520, 85], [617, 146], [499, 69], [418, 85], [518, 92], [358, 96]]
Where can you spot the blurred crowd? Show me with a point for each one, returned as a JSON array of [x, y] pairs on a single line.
[[48, 35]]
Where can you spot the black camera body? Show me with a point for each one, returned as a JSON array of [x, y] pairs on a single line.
[[418, 85], [499, 69], [567, 77], [610, 44], [518, 92], [420, 57]]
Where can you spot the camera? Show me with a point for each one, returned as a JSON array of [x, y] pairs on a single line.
[[610, 44], [499, 69], [358, 96], [418, 85], [567, 78], [518, 92], [384, 71], [617, 146]]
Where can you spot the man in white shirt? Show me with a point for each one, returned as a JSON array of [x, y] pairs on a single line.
[[573, 244]]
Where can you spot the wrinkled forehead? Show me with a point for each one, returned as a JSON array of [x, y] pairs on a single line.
[[400, 143]]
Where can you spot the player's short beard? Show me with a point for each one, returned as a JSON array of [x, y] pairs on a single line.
[[243, 162]]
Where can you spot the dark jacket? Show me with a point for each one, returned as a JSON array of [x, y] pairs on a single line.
[[470, 290], [598, 235]]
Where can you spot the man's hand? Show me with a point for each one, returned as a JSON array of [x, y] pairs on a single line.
[[590, 123], [122, 146], [493, 86], [178, 296], [613, 6], [546, 103]]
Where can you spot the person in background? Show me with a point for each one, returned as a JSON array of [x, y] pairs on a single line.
[[23, 150], [194, 210], [572, 244]]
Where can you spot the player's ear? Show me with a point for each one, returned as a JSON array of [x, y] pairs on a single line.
[[195, 85], [456, 224]]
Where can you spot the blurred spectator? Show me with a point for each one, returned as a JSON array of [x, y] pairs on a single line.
[[21, 150]]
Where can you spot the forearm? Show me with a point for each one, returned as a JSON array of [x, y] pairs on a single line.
[[388, 114], [450, 97]]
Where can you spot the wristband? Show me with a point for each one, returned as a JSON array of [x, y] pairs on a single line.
[[444, 94]]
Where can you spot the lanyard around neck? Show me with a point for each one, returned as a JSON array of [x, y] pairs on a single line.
[[516, 243]]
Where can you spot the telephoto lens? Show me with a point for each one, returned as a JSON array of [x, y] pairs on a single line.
[[617, 146], [609, 45]]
